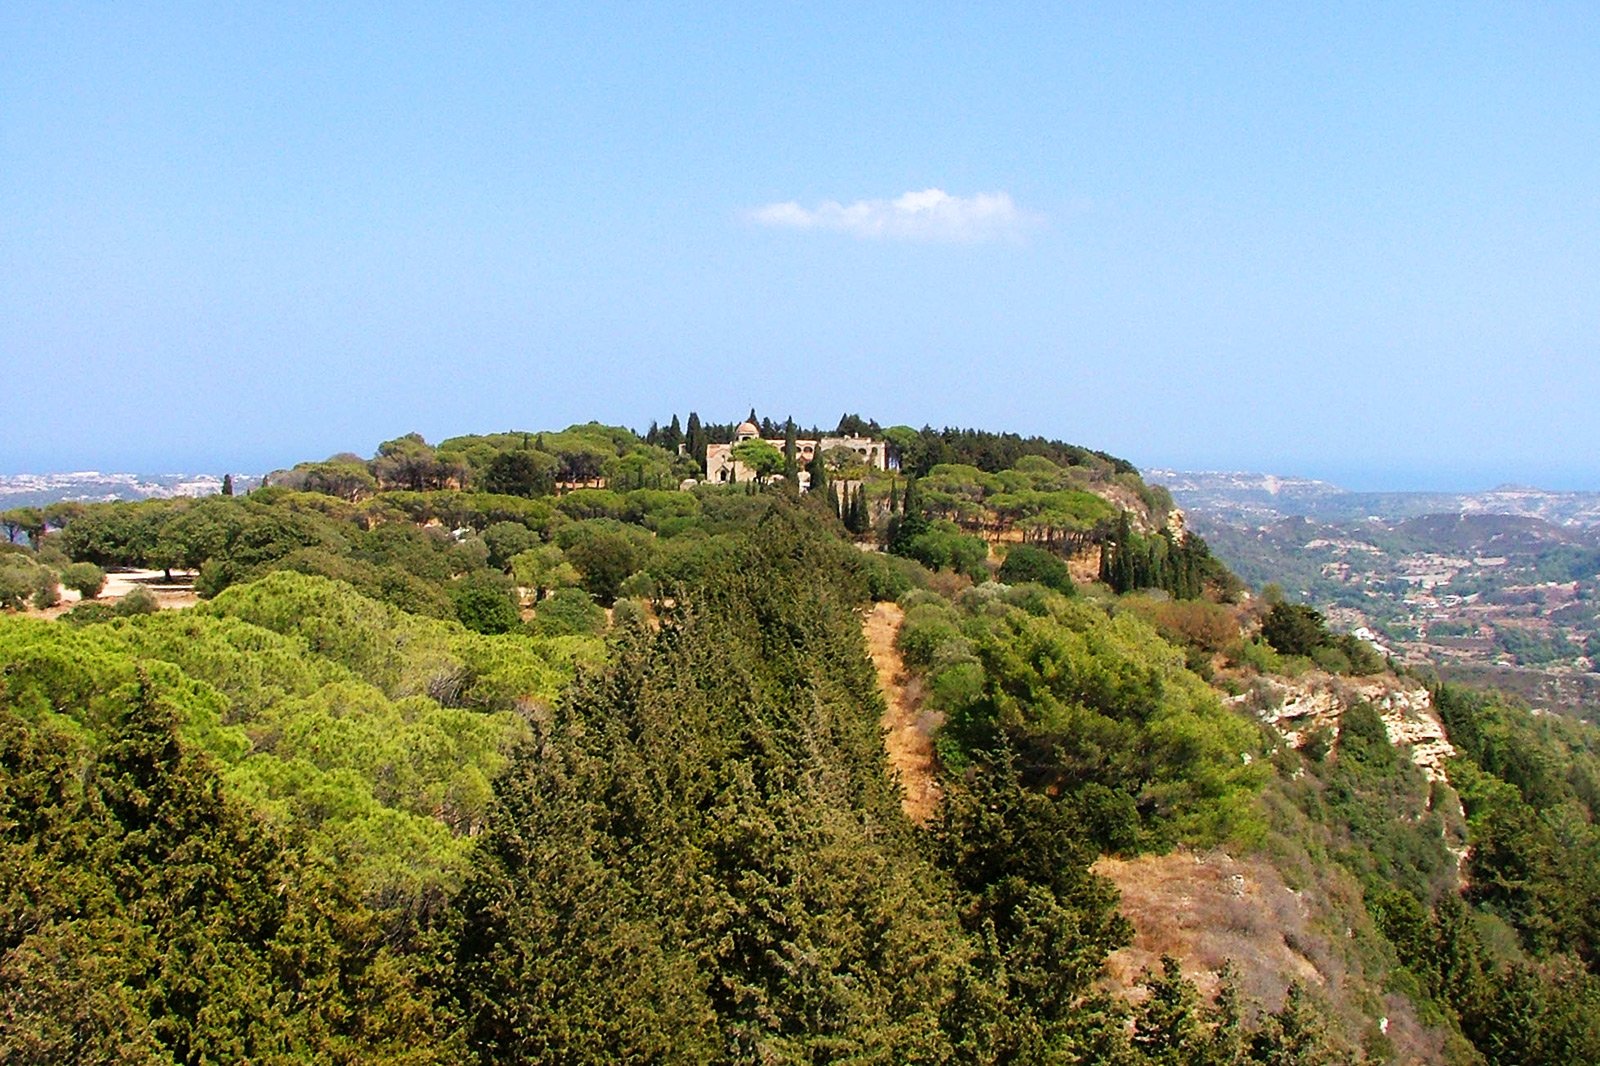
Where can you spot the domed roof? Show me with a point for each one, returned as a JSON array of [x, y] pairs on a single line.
[[748, 429]]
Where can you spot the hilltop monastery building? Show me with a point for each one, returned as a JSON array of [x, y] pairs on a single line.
[[723, 469]]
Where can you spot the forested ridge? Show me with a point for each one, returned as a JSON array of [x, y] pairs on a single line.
[[514, 750]]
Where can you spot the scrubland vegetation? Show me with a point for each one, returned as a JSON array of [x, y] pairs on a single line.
[[511, 750]]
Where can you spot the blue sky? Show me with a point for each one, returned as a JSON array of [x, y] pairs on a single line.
[[1353, 241]]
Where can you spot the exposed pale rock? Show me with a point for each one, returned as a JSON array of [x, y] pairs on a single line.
[[1314, 701]]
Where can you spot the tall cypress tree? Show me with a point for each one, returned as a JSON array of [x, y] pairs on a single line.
[[912, 524], [696, 441], [819, 474], [791, 468]]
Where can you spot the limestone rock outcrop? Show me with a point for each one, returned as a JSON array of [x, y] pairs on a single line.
[[1299, 707]]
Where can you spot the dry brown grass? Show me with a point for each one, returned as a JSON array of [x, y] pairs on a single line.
[[1207, 910], [1211, 909], [908, 728]]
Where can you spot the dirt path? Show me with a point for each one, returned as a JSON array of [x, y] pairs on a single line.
[[907, 728]]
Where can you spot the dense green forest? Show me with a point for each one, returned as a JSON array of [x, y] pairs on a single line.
[[518, 748]]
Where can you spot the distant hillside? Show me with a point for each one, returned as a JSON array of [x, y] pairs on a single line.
[[92, 486], [1258, 499], [1497, 587]]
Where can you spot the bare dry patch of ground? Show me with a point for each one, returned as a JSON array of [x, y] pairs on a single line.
[[908, 729], [1206, 910], [1210, 909], [170, 595], [173, 593]]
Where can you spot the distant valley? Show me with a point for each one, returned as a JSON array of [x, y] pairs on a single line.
[[1498, 587], [1243, 498]]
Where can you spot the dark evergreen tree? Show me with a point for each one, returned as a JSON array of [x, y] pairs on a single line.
[[791, 466], [1167, 1023], [148, 917], [1043, 921], [1294, 628], [524, 472], [227, 484], [700, 858], [695, 439], [912, 522], [857, 518], [819, 479]]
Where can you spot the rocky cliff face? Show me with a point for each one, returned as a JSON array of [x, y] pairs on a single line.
[[1299, 707]]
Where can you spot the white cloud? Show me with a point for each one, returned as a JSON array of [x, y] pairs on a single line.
[[929, 215]]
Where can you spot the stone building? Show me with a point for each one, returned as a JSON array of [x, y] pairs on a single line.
[[723, 469]]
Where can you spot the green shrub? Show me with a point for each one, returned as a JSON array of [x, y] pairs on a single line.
[[639, 586], [925, 631], [46, 593], [629, 613], [956, 685], [139, 601], [1258, 655], [1034, 599], [1025, 563], [569, 612], [1331, 658], [918, 598], [506, 540], [605, 554], [16, 582], [1294, 629], [486, 602], [86, 579], [945, 547], [889, 577]]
